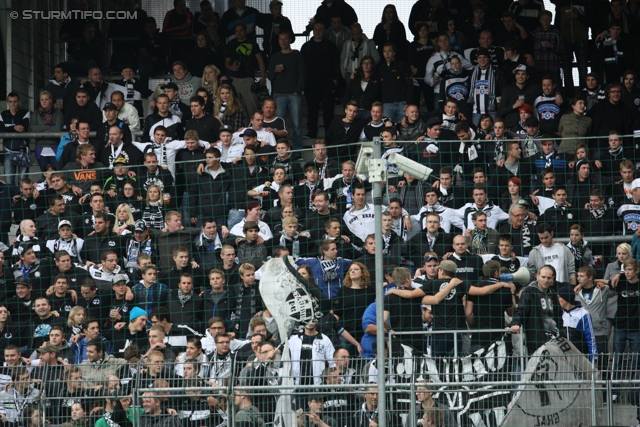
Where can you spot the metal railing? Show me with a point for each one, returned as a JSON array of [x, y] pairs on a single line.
[[462, 387]]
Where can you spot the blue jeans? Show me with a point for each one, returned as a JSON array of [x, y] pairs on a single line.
[[44, 161], [581, 50], [293, 105], [235, 216], [620, 339], [12, 173], [363, 114], [394, 110]]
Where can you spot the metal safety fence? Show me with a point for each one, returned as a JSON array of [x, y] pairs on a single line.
[[490, 387]]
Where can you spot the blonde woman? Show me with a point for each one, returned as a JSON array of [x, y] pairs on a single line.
[[353, 299], [153, 211], [228, 109], [123, 216], [210, 79], [77, 315]]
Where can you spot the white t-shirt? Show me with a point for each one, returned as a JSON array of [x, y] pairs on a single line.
[[553, 256]]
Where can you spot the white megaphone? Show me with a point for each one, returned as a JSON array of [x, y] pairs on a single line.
[[520, 276]]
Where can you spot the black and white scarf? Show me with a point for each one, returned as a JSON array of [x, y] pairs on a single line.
[[163, 153], [312, 188], [329, 267], [284, 239], [479, 241], [223, 108], [558, 207], [578, 250], [128, 84], [185, 298], [598, 213], [115, 153], [386, 240], [483, 87], [210, 244]]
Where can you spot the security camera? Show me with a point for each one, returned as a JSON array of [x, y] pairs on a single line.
[[406, 165], [362, 164]]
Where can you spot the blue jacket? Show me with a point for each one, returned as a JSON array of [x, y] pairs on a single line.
[[368, 318], [329, 290], [80, 349], [63, 142]]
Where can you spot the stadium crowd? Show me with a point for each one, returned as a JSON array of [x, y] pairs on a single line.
[[138, 259]]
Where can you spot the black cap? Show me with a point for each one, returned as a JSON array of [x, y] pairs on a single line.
[[249, 132], [140, 225], [531, 121], [109, 106], [389, 269], [567, 294], [483, 51], [171, 85], [22, 281], [433, 121], [225, 128], [310, 165]]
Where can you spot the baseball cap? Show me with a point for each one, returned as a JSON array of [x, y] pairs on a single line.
[[567, 294], [274, 2], [389, 269], [49, 348], [225, 128], [483, 51], [448, 266], [433, 121], [119, 278], [140, 225], [520, 67], [635, 184], [121, 160], [171, 85], [249, 132], [109, 106], [64, 222], [22, 281], [531, 121]]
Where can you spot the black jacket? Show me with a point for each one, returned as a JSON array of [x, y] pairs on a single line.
[[366, 97], [208, 127], [175, 130], [190, 313], [90, 112], [537, 309], [207, 195], [419, 244], [396, 81], [95, 245], [223, 308], [510, 95], [245, 180], [9, 121], [102, 134]]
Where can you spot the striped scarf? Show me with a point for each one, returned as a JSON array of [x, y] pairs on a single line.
[[483, 86]]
